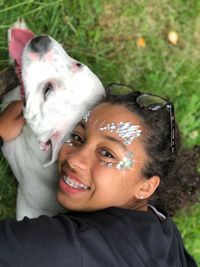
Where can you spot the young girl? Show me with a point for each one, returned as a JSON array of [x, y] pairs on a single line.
[[121, 161]]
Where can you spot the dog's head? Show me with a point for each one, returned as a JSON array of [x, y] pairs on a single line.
[[58, 91]]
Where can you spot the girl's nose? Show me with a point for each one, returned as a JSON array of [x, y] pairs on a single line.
[[79, 159]]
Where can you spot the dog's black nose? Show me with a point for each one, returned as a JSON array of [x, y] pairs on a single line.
[[40, 44]]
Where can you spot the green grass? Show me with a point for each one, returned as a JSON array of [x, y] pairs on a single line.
[[103, 34], [188, 222]]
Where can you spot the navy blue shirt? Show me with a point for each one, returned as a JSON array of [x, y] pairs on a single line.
[[108, 238]]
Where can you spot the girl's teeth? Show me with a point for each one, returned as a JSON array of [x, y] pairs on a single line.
[[74, 184]]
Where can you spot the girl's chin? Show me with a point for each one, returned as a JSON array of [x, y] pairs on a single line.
[[70, 202]]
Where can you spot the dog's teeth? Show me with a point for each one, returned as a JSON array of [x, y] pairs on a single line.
[[74, 183]]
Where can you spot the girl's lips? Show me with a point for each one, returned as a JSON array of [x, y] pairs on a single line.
[[69, 183], [74, 178]]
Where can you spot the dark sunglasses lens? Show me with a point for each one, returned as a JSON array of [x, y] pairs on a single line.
[[152, 102], [116, 89]]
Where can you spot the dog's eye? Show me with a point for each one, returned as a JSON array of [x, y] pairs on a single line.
[[47, 89]]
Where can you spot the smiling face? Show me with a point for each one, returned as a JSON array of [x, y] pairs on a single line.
[[99, 168]]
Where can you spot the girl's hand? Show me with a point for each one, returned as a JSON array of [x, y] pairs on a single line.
[[11, 121]]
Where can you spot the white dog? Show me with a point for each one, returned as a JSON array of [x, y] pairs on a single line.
[[58, 92]]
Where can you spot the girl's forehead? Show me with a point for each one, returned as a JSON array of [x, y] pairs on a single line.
[[116, 123], [107, 113]]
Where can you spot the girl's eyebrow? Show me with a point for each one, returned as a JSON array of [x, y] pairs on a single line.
[[81, 124], [115, 140]]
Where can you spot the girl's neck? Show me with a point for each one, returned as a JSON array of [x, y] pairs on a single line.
[[139, 204]]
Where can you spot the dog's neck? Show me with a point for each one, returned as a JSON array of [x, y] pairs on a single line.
[[34, 147]]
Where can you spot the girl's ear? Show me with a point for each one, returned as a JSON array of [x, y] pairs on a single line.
[[148, 187]]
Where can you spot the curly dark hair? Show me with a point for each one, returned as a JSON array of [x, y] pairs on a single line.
[[178, 170]]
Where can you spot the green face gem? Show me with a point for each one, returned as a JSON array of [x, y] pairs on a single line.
[[126, 163]]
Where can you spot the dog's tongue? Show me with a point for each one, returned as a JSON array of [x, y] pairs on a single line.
[[19, 38]]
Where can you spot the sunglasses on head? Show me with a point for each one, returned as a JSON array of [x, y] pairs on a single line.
[[148, 101]]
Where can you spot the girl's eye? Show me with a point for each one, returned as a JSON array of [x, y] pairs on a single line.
[[106, 153], [77, 138]]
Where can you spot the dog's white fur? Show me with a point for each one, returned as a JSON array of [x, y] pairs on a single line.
[[58, 92]]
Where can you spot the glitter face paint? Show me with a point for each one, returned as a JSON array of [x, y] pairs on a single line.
[[126, 162], [126, 130], [86, 116], [69, 141]]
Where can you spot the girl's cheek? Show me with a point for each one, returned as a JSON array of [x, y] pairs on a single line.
[[62, 153]]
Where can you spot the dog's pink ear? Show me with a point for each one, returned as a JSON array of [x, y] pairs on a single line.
[[18, 40]]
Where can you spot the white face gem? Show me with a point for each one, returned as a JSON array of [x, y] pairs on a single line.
[[69, 141], [86, 116], [126, 130]]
